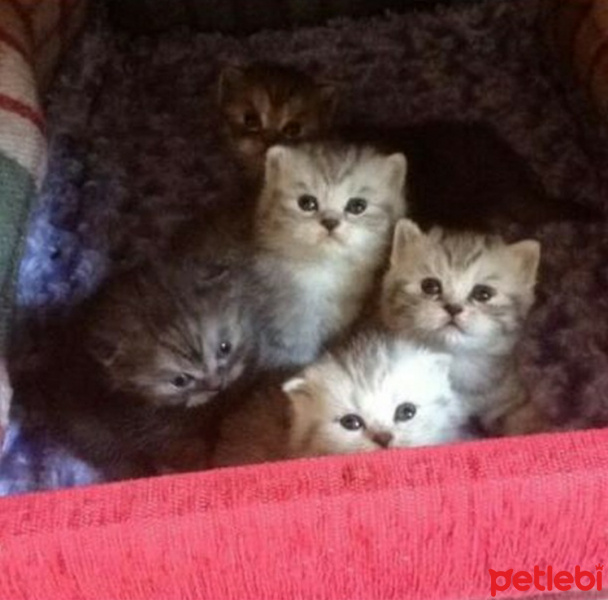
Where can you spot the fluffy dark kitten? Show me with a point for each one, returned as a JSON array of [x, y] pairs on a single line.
[[175, 334], [267, 103], [127, 382], [465, 176], [121, 435]]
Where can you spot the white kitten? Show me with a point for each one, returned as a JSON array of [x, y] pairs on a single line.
[[469, 295], [324, 224], [374, 392], [377, 392]]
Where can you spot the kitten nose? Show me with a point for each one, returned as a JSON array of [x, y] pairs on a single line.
[[330, 223], [382, 438], [271, 137], [213, 383], [453, 309]]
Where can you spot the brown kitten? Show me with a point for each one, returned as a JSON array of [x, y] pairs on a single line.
[[268, 103]]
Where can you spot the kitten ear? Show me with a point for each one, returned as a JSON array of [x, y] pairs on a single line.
[[294, 385], [231, 78], [398, 169], [406, 234], [275, 157], [527, 256], [298, 392], [328, 94]]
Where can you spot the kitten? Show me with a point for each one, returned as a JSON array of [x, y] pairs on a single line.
[[267, 103], [373, 392], [67, 400], [324, 222], [175, 334], [468, 295]]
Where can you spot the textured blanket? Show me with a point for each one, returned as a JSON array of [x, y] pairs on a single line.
[[134, 152], [33, 35], [423, 524]]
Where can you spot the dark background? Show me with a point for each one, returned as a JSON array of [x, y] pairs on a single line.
[[246, 16]]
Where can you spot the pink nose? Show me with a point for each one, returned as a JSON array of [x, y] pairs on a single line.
[[382, 438]]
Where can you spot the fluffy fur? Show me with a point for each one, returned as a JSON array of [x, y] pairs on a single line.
[[267, 103], [374, 392], [323, 227], [468, 295], [174, 334]]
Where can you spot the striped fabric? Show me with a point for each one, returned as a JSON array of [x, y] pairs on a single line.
[[33, 34]]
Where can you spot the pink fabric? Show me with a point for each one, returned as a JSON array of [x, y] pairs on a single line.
[[424, 523]]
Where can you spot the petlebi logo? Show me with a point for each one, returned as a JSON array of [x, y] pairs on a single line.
[[546, 580]]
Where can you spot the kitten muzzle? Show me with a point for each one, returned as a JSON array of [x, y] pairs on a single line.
[[212, 384]]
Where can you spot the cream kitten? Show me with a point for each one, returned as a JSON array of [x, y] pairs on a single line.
[[373, 392], [323, 227], [468, 295]]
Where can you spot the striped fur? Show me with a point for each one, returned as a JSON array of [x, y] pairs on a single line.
[[483, 336], [153, 325]]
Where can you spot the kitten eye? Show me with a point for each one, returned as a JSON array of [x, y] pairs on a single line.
[[352, 422], [355, 206], [308, 203], [292, 130], [483, 293], [182, 380], [405, 412], [224, 349], [252, 121], [431, 286]]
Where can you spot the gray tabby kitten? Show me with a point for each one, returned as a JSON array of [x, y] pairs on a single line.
[[373, 392], [175, 334], [468, 295], [323, 228]]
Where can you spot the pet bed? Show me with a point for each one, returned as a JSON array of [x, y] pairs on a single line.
[[133, 152]]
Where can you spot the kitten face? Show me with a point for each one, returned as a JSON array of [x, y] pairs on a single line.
[[376, 394], [324, 198], [172, 338], [265, 104], [458, 291]]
